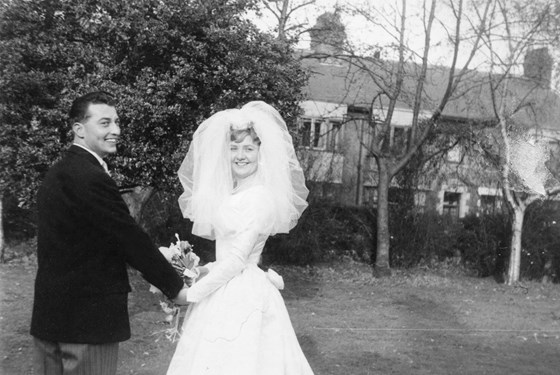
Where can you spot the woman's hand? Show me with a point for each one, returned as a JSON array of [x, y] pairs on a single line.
[[181, 298], [203, 271]]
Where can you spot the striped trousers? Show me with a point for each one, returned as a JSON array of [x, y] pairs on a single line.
[[55, 358]]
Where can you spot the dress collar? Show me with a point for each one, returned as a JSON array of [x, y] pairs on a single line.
[[247, 183]]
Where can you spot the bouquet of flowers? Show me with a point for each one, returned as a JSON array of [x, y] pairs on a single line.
[[185, 262]]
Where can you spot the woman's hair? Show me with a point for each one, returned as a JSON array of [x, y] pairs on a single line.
[[80, 106], [238, 135]]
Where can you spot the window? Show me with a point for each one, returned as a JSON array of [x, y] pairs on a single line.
[[323, 191], [489, 204], [420, 201], [306, 133], [320, 134], [334, 136], [369, 197], [451, 203], [420, 198], [312, 133], [318, 141], [454, 155], [399, 137]]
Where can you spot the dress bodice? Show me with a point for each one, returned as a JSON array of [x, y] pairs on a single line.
[[223, 246], [242, 222], [242, 226]]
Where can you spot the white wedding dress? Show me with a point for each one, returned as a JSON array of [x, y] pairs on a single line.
[[238, 323]]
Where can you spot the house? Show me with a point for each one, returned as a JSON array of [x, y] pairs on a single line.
[[336, 127]]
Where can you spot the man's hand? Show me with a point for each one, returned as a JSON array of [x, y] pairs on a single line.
[[181, 298]]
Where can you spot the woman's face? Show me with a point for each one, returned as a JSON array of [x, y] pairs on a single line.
[[244, 158]]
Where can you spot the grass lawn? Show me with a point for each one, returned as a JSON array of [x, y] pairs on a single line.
[[348, 322]]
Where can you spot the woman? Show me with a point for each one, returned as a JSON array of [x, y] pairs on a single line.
[[242, 183]]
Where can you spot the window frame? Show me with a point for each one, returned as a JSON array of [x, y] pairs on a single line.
[[319, 133], [450, 206]]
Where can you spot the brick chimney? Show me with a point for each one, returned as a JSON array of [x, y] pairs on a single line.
[[538, 66], [329, 34]]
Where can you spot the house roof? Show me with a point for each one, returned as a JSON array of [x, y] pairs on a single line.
[[361, 83]]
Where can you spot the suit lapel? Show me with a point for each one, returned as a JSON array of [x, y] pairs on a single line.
[[77, 151]]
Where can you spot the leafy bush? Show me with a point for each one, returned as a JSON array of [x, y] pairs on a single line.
[[477, 245], [420, 237], [483, 243], [540, 256], [170, 64], [473, 245], [324, 233], [19, 223]]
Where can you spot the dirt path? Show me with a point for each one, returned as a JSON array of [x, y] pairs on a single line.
[[349, 323]]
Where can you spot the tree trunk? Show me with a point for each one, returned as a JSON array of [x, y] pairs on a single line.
[[282, 21], [382, 267], [515, 247]]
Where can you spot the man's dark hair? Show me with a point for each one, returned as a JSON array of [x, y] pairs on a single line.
[[80, 106]]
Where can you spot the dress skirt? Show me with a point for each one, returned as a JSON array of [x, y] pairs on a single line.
[[242, 328]]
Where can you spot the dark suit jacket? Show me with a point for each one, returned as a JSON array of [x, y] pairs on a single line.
[[86, 238]]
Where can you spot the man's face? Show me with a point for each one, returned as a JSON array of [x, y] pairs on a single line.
[[100, 130]]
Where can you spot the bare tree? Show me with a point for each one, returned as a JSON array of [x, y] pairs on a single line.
[[521, 105], [409, 80], [283, 12]]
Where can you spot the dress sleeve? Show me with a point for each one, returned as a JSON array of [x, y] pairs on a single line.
[[252, 219]]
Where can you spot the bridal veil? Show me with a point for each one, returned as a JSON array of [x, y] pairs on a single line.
[[205, 173]]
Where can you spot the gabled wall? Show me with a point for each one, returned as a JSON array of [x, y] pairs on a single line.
[[348, 174]]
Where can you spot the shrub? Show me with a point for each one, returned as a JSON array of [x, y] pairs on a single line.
[[327, 232], [420, 237], [478, 245], [324, 233], [540, 256], [483, 243], [19, 223]]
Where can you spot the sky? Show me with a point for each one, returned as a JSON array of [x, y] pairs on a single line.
[[362, 33]]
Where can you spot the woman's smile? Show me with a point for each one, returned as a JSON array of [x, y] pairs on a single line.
[[244, 157]]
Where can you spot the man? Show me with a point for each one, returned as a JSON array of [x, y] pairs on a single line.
[[86, 238]]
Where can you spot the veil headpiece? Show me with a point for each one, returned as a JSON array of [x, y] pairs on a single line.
[[206, 170]]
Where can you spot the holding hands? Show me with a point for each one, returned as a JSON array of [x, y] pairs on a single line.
[[181, 298]]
